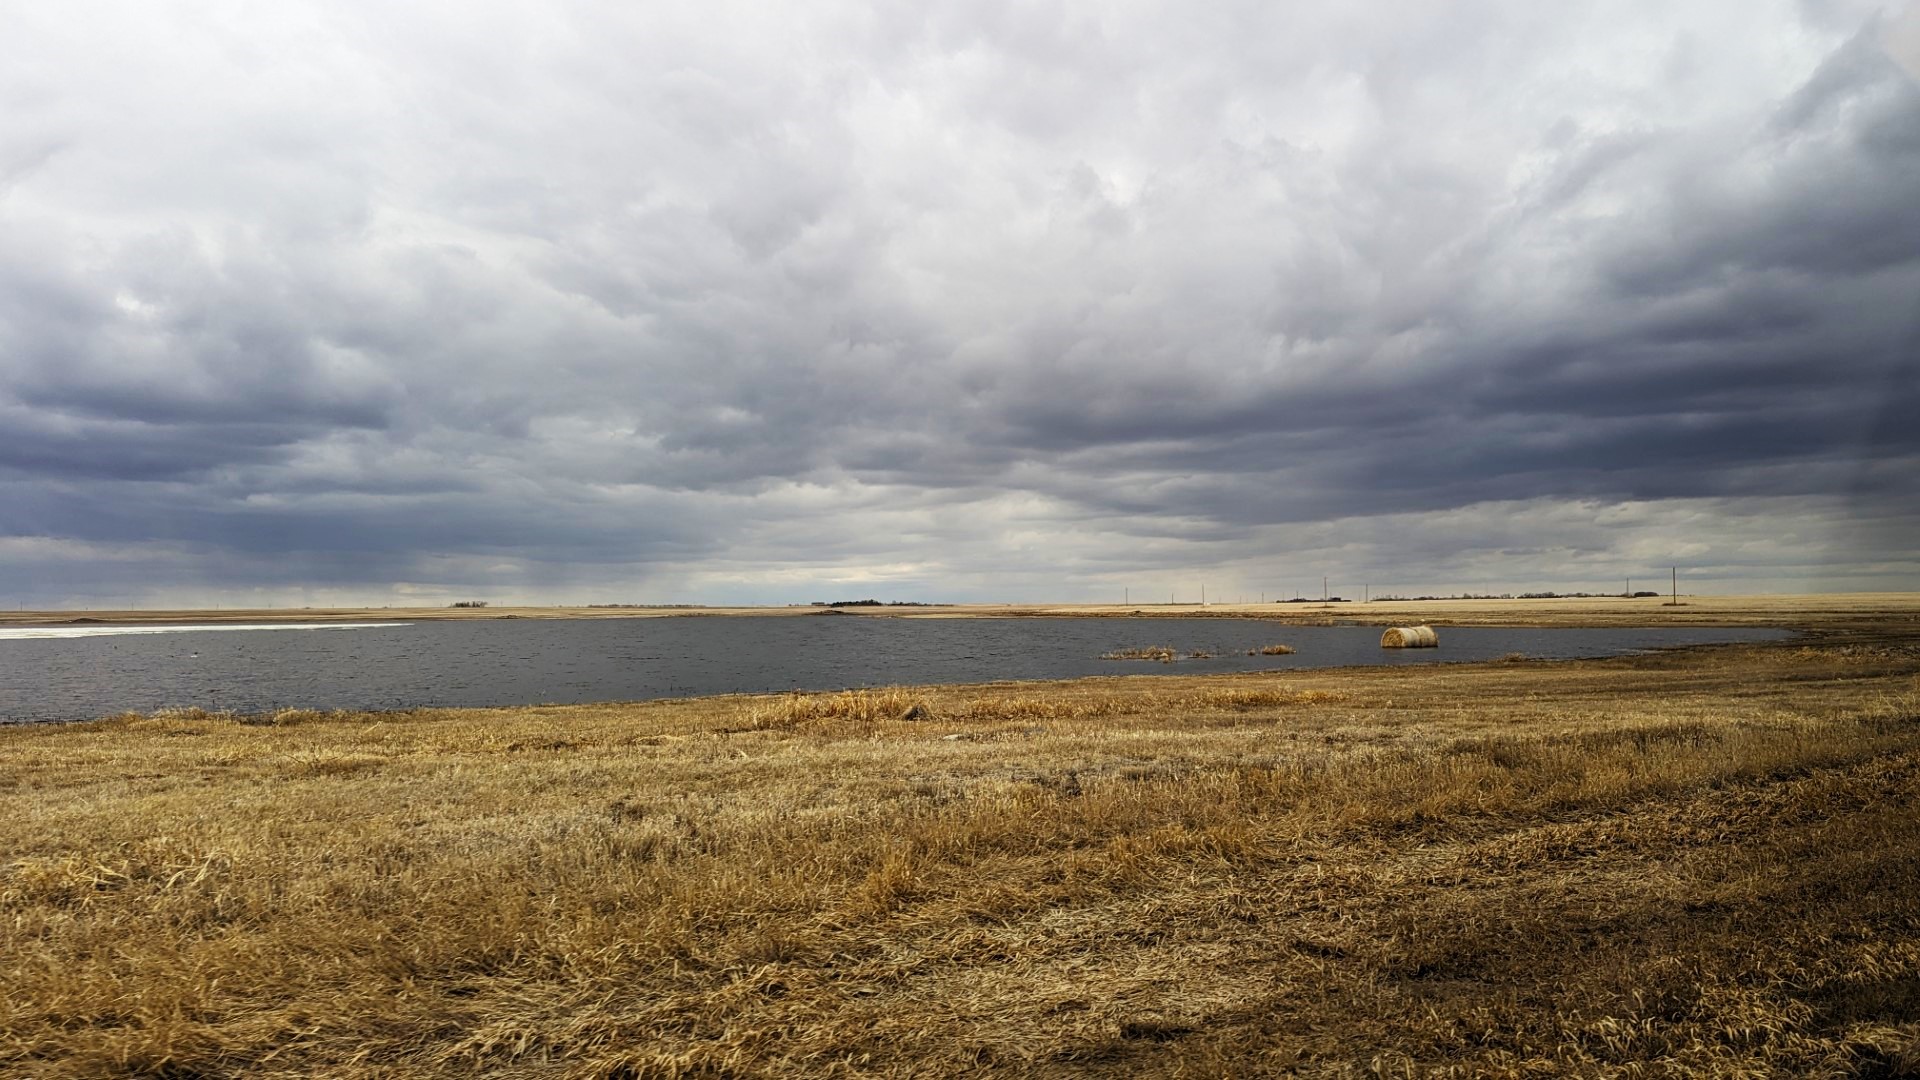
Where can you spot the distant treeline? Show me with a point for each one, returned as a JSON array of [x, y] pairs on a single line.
[[1522, 596], [871, 603]]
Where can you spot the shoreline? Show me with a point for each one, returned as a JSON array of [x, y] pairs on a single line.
[[1787, 611]]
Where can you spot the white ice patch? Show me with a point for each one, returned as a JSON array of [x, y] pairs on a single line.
[[15, 633]]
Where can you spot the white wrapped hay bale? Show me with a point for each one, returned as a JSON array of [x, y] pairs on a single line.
[[1410, 637]]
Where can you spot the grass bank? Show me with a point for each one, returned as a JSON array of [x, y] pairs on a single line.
[[1691, 863]]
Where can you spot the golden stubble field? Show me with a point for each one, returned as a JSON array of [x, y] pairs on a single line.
[[1694, 863]]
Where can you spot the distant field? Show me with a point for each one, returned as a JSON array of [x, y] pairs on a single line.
[[1694, 863], [1797, 611]]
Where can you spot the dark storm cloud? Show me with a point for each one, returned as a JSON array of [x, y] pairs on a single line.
[[1726, 331], [956, 299]]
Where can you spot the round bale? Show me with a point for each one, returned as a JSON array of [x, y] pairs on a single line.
[[1410, 637]]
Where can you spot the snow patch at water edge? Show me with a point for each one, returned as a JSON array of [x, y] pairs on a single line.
[[16, 633]]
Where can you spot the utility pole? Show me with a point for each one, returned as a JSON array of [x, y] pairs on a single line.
[[1676, 586]]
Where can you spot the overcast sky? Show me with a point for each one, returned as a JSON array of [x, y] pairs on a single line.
[[729, 302]]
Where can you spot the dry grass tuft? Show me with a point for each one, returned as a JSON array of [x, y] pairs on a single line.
[[862, 707], [865, 713], [1272, 650], [1250, 698]]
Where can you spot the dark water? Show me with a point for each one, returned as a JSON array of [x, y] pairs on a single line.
[[506, 662]]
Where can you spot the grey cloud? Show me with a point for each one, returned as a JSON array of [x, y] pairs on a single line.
[[577, 288]]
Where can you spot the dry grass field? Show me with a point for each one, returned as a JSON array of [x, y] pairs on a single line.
[[1693, 863]]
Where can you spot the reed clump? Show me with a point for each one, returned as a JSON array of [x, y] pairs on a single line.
[[1165, 654], [1272, 650], [1700, 863]]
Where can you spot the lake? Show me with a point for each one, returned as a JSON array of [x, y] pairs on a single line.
[[81, 672]]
